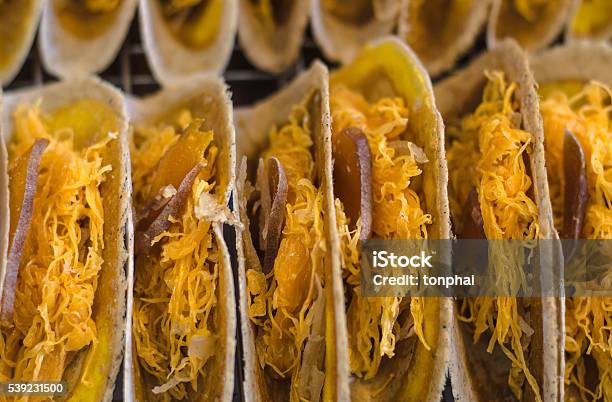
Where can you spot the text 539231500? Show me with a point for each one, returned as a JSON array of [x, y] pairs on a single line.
[[33, 388]]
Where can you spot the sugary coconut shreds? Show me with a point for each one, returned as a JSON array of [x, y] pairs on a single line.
[[588, 320], [375, 325], [489, 153]]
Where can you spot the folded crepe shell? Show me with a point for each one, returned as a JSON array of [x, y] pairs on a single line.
[[341, 40], [472, 369], [206, 97], [601, 30], [4, 200], [109, 307], [389, 68], [169, 59], [68, 55], [581, 61], [272, 49], [20, 45], [505, 21], [438, 42], [253, 125]]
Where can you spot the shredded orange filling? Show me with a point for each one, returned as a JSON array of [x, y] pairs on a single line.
[[375, 325], [195, 23], [101, 6], [272, 11], [588, 320], [530, 9], [180, 5], [351, 11], [15, 18], [591, 17], [174, 321], [488, 154], [281, 302], [58, 276], [433, 20]]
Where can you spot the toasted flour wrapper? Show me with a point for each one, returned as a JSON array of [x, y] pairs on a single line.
[[170, 60], [4, 198], [208, 98], [581, 25], [67, 52], [109, 307], [389, 68], [341, 39], [272, 46], [475, 374], [440, 33], [253, 125], [21, 18], [543, 25], [582, 62]]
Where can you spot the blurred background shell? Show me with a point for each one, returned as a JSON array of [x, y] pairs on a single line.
[[186, 38], [18, 23], [342, 27], [440, 31], [534, 24], [81, 38]]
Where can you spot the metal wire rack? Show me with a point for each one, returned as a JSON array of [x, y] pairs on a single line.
[[130, 72]]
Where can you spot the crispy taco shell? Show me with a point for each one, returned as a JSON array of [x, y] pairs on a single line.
[[340, 38], [582, 62], [475, 374], [109, 306], [75, 43], [253, 125], [388, 68], [4, 197], [272, 44], [19, 20], [440, 33], [207, 98], [532, 31], [170, 59]]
